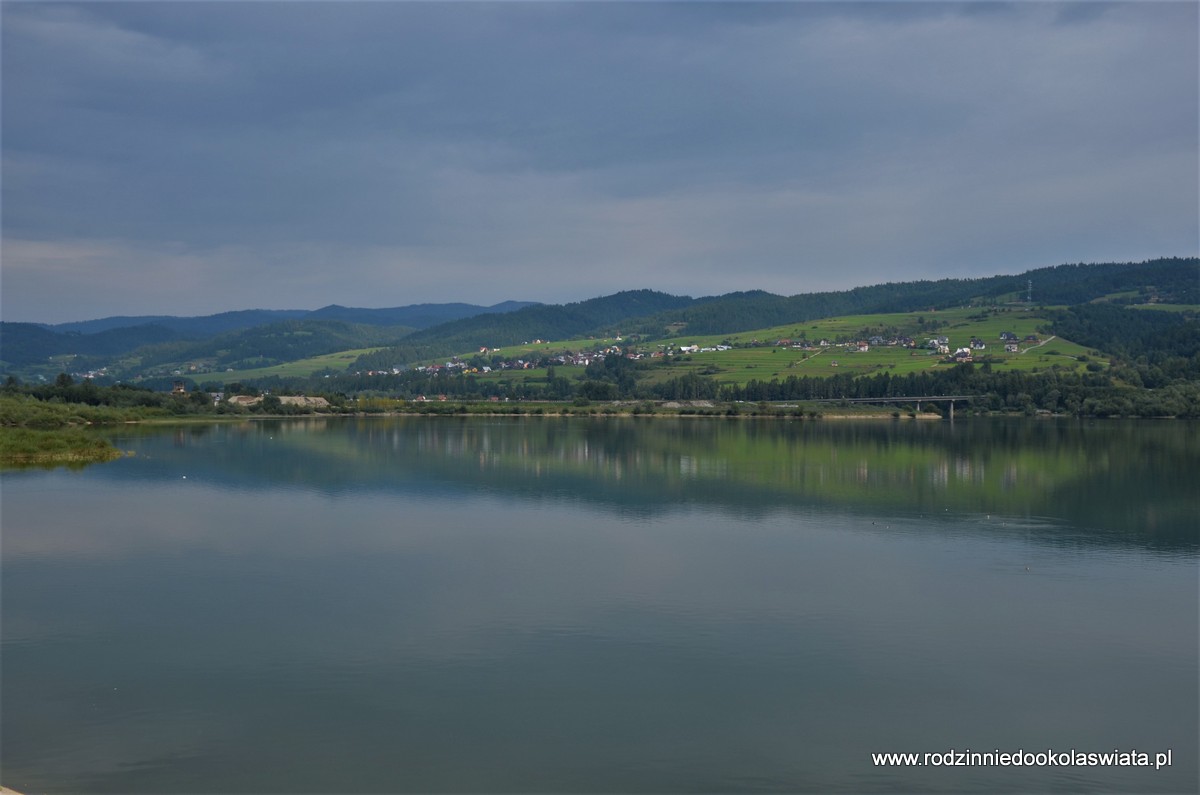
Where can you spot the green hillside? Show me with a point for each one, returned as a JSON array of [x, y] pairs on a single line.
[[256, 349], [648, 315], [1168, 280], [1099, 352], [326, 364], [795, 349], [120, 344]]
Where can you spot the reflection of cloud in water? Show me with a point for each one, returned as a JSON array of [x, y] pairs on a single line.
[[463, 608], [1116, 477]]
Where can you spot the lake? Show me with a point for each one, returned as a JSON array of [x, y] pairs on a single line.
[[635, 605]]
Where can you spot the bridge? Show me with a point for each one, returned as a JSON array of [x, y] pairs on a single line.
[[907, 399]]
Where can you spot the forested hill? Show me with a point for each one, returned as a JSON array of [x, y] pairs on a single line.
[[1174, 280], [412, 315], [27, 348], [544, 321], [193, 327], [276, 343], [550, 321], [252, 334], [23, 344], [417, 316], [1164, 340], [651, 314]]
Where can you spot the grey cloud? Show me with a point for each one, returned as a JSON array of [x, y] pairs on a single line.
[[584, 148]]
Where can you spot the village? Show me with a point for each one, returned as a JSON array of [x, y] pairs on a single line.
[[489, 360], [938, 345]]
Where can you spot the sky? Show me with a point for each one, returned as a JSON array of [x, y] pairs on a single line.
[[191, 158]]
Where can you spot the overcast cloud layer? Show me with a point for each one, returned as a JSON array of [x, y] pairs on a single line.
[[185, 158]]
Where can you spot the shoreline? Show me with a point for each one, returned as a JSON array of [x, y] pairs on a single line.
[[75, 451]]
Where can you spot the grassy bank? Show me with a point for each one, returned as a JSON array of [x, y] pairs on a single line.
[[40, 433], [635, 408], [22, 447]]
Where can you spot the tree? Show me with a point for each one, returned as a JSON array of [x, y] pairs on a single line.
[[598, 390]]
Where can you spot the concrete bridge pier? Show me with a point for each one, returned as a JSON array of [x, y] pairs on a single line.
[[951, 409]]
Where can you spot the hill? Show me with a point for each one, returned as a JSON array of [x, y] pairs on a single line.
[[652, 315], [192, 327], [553, 320], [1174, 280], [1095, 351], [544, 321], [33, 349], [260, 346], [439, 330], [414, 315], [417, 316], [26, 344]]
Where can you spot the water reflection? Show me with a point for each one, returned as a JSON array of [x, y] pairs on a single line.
[[619, 606], [1129, 482]]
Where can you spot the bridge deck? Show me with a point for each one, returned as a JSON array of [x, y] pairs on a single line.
[[910, 399]]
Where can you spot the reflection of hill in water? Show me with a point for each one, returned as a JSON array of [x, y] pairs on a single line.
[[1122, 481]]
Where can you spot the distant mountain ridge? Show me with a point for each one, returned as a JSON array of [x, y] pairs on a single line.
[[23, 344], [1174, 278], [274, 343], [416, 316], [544, 321], [26, 344], [552, 320], [253, 338], [182, 326]]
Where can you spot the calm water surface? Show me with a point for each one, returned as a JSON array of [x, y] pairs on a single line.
[[633, 605]]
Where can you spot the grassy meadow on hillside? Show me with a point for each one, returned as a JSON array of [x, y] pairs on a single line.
[[756, 355], [1193, 308], [301, 368]]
